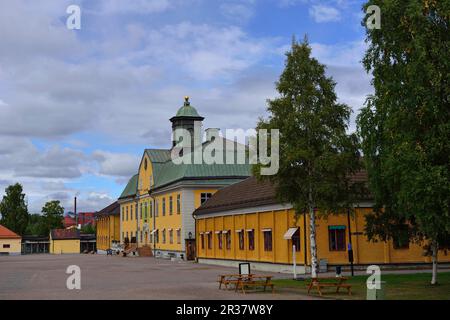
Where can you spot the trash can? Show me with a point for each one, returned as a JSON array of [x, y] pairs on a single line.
[[377, 294], [338, 271]]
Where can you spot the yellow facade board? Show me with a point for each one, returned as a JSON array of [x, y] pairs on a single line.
[[279, 251], [64, 246], [11, 246]]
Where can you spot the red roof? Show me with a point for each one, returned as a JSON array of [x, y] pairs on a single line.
[[65, 234], [5, 233], [68, 221]]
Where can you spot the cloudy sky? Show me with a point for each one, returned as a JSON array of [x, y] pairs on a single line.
[[77, 107]]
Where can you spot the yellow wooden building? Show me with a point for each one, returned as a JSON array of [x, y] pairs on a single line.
[[245, 222], [108, 226], [157, 204], [10, 242], [64, 241]]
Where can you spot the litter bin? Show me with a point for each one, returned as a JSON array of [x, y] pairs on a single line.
[[338, 271], [377, 294]]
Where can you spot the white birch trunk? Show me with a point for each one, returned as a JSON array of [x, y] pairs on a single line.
[[434, 259], [312, 241]]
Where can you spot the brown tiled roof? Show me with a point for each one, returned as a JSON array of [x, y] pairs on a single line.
[[249, 193], [112, 209], [65, 234], [5, 233]]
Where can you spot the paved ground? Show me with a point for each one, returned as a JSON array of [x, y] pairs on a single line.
[[106, 277]]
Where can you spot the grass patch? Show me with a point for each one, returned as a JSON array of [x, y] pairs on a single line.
[[415, 286]]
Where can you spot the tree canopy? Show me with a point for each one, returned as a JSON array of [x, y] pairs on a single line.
[[13, 209], [317, 156], [405, 124]]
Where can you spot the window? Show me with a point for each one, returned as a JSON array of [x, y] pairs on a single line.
[[178, 236], [163, 206], [145, 164], [164, 236], [157, 208], [241, 240], [219, 239], [6, 246], [228, 239], [204, 196], [209, 241], [140, 210], [145, 210], [336, 238], [171, 236], [401, 239], [267, 240], [151, 237], [157, 236], [131, 212], [178, 204], [170, 205], [202, 240], [251, 239], [127, 212], [296, 240], [151, 208]]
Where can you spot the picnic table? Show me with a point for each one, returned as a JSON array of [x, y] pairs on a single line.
[[241, 281], [338, 282]]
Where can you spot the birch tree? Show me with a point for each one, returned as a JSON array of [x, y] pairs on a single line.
[[317, 156]]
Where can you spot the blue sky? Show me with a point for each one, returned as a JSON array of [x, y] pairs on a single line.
[[77, 107]]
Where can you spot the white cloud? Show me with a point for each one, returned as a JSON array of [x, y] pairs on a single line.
[[321, 13], [116, 164], [134, 6], [238, 12]]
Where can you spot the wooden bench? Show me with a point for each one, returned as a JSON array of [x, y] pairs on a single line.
[[337, 282], [227, 279], [254, 281]]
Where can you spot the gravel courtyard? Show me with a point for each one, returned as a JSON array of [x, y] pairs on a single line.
[[105, 277]]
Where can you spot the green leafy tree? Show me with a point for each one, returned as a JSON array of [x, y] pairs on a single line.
[[53, 214], [88, 229], [317, 156], [405, 124], [36, 225], [14, 210]]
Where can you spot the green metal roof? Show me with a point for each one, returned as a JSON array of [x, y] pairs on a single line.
[[187, 111], [158, 155], [131, 188], [169, 172]]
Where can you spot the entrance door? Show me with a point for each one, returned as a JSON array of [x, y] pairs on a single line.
[[190, 249]]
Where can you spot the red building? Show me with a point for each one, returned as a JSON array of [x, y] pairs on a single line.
[[68, 221], [84, 218]]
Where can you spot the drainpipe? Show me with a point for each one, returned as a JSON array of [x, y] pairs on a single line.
[[305, 247], [137, 220]]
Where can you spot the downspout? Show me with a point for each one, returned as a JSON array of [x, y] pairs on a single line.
[[305, 246]]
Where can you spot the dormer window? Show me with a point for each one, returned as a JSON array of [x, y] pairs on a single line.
[[145, 164]]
